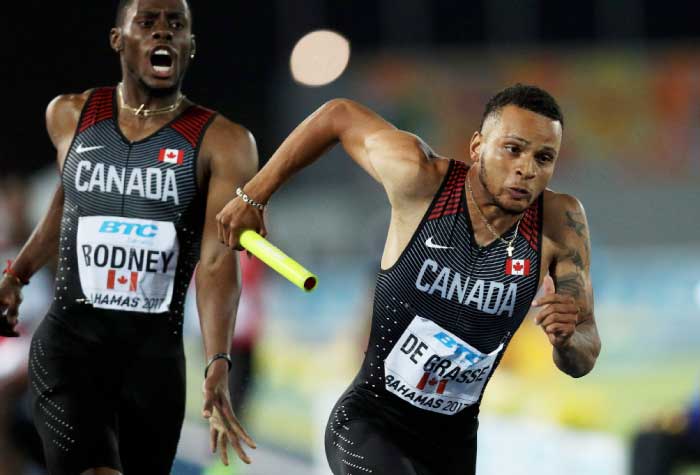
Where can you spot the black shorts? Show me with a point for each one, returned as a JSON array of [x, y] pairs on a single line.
[[361, 440], [99, 405]]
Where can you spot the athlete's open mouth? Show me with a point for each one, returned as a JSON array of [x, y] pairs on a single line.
[[518, 193], [162, 61]]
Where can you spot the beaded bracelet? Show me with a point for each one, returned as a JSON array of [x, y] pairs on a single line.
[[248, 200]]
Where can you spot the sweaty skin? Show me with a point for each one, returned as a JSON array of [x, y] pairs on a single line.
[[513, 160], [227, 159]]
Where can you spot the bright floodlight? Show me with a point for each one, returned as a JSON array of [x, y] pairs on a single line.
[[319, 58]]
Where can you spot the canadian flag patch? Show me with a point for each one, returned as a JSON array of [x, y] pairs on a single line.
[[171, 155], [130, 281], [518, 266], [432, 382]]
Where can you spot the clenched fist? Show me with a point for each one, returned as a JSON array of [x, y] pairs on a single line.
[[558, 314]]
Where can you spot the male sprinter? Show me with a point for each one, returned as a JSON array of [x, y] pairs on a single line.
[[144, 172], [466, 249]]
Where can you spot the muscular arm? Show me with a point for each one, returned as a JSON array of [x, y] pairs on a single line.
[[62, 116], [400, 161], [232, 159], [42, 245], [571, 273], [61, 120], [385, 153]]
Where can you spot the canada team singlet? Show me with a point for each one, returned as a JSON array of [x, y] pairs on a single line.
[[131, 229], [445, 312]]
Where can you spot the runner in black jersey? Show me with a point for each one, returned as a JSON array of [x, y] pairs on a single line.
[[144, 171], [466, 250]]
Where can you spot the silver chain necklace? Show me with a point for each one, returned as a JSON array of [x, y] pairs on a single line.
[[509, 244]]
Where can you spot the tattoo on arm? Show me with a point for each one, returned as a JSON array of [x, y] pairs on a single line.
[[574, 221], [579, 357], [573, 284], [570, 284], [575, 257]]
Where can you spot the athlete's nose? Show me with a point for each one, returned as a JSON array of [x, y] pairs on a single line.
[[162, 35], [526, 167]]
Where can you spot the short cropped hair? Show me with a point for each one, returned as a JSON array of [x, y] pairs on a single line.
[[124, 5], [121, 11], [532, 98]]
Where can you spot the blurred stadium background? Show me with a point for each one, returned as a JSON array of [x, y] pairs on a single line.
[[627, 74]]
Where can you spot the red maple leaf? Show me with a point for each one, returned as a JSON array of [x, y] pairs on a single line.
[[432, 382], [171, 155], [122, 280], [518, 266]]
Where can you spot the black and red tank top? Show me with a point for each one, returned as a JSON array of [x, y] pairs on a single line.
[[131, 227], [445, 311]]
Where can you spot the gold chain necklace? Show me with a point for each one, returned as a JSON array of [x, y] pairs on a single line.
[[510, 247], [147, 112]]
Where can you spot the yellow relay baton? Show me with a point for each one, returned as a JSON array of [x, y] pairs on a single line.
[[278, 260]]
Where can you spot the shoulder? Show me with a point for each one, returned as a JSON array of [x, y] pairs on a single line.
[[563, 215], [225, 130], [400, 142], [560, 203], [373, 135], [63, 113], [227, 143], [68, 103], [409, 168]]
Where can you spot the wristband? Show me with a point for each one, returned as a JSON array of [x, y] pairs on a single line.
[[248, 200], [8, 271], [218, 356]]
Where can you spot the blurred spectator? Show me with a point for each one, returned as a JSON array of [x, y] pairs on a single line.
[[15, 227], [245, 339], [669, 443], [247, 332], [20, 447], [249, 320]]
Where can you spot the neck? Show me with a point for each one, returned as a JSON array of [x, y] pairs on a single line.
[[135, 94], [497, 217]]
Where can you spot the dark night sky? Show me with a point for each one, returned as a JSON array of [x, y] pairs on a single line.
[[51, 49]]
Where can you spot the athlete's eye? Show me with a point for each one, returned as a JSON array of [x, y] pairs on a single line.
[[544, 158], [514, 149], [145, 23], [177, 25]]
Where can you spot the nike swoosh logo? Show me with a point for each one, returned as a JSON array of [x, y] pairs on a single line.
[[429, 243], [82, 149]]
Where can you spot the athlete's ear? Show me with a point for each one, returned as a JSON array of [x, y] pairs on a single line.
[[475, 146], [115, 39], [193, 47]]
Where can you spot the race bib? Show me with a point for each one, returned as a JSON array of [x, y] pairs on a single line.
[[434, 370], [127, 264]]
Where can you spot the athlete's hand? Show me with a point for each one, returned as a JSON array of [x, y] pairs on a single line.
[[558, 314], [10, 299], [224, 427], [236, 217]]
